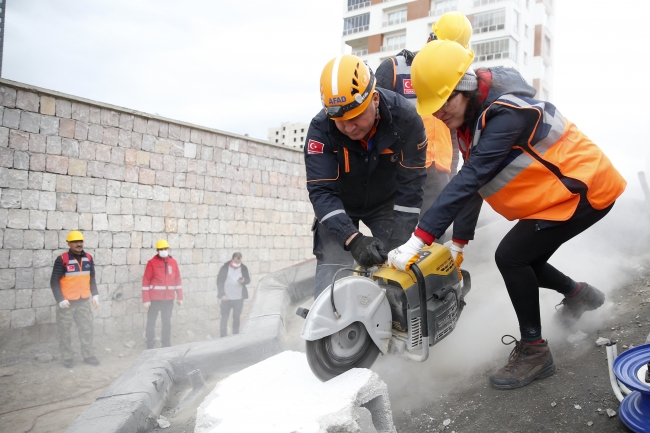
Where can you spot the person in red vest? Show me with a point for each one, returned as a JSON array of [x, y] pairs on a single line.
[[161, 284], [529, 163], [74, 288]]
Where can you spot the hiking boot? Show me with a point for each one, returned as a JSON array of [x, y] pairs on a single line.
[[571, 308], [91, 360], [68, 363], [527, 362]]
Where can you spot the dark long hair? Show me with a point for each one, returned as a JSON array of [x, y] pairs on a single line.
[[474, 96]]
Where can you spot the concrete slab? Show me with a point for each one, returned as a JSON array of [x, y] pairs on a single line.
[[281, 395]]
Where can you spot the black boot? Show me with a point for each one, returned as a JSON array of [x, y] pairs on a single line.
[[571, 308]]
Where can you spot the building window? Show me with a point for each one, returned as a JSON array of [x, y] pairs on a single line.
[[357, 4], [395, 18], [547, 45], [295, 131], [356, 24], [489, 21], [525, 58], [277, 132], [302, 138], [515, 24], [485, 2], [302, 129], [526, 30], [444, 6], [497, 49], [301, 146], [294, 139], [392, 43], [276, 140], [283, 128]]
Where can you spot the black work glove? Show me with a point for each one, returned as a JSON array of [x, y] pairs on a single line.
[[366, 250]]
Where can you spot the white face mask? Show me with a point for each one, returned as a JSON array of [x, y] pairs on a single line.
[[235, 265], [163, 253]]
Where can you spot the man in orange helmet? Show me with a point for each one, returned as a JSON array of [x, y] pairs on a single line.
[[364, 155]]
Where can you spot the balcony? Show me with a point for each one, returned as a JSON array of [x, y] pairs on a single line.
[[359, 53], [394, 47], [359, 6], [355, 30], [393, 22]]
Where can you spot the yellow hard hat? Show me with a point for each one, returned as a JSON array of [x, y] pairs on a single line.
[[162, 244], [75, 235], [346, 87], [453, 26], [435, 72]]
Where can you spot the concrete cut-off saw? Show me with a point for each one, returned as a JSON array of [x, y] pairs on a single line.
[[385, 311]]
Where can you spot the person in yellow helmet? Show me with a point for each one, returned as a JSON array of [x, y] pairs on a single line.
[[530, 164], [394, 74], [74, 288], [364, 157], [161, 284]]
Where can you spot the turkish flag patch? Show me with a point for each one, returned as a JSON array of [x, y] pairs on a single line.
[[71, 268], [408, 87], [315, 147]]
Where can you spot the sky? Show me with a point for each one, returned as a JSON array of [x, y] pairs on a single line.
[[244, 67]]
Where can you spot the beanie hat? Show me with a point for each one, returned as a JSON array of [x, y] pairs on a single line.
[[468, 82]]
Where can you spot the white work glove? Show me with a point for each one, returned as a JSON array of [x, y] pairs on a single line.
[[403, 256], [457, 254], [179, 302], [95, 301], [146, 305], [64, 304]]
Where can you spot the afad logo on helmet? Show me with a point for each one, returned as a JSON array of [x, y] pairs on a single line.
[[337, 100]]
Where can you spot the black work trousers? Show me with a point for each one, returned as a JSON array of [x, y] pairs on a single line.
[[330, 255], [522, 258], [237, 306], [165, 308]]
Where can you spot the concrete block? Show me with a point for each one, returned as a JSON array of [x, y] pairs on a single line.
[[48, 105], [163, 131], [35, 181], [139, 124], [7, 281], [49, 182], [11, 118], [109, 117], [148, 143], [249, 401], [142, 223], [86, 221], [19, 140], [153, 127], [7, 297], [4, 214], [43, 315], [147, 176], [30, 122], [77, 167], [7, 96], [42, 258], [23, 318], [87, 150], [126, 121], [80, 130], [6, 158], [162, 146], [111, 136], [18, 219], [113, 205], [164, 178], [49, 125], [23, 297], [64, 109], [27, 101], [53, 145], [66, 202], [95, 115], [124, 138], [96, 133], [105, 240], [177, 148], [37, 163], [56, 164], [10, 199], [25, 280], [18, 179], [130, 156], [136, 141], [63, 183], [156, 162], [37, 143], [189, 150], [52, 241], [54, 220], [30, 199], [4, 136], [5, 319], [100, 222], [37, 219], [67, 128], [13, 239], [20, 258], [95, 169], [70, 221], [69, 148], [103, 153], [114, 172], [128, 223], [42, 298], [21, 160]]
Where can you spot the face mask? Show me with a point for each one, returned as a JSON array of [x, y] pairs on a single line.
[[163, 253], [235, 265]]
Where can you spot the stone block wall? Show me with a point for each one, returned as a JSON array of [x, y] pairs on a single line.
[[126, 179]]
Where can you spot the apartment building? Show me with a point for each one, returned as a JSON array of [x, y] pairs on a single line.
[[289, 134], [513, 33]]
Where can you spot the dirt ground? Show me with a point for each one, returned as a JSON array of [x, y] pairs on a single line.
[[469, 405]]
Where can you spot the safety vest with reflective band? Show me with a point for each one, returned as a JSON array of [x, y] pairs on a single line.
[[75, 283], [439, 150], [545, 178], [161, 280]]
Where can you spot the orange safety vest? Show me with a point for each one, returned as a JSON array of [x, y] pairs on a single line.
[[527, 188], [75, 283], [439, 149]]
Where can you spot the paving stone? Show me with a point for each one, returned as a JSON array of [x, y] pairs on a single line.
[[117, 155], [18, 219], [69, 148], [47, 201], [30, 199], [156, 162], [7, 281], [36, 143], [124, 138], [21, 160], [23, 318], [63, 108], [87, 150], [37, 219], [7, 96], [147, 176], [165, 178], [80, 111], [10, 198], [66, 202], [25, 280], [77, 167], [162, 146], [4, 136], [114, 172], [100, 222], [94, 115], [29, 122], [109, 117], [11, 118], [86, 221], [42, 258], [54, 220], [111, 136], [63, 183], [27, 101], [20, 258], [96, 133], [148, 143], [81, 130], [95, 169], [18, 179], [126, 121], [49, 125], [67, 128], [6, 158], [49, 182]]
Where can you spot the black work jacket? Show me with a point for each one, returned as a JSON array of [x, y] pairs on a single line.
[[343, 176]]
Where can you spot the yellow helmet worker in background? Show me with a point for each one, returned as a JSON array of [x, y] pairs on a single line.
[[346, 85], [452, 26], [162, 244], [75, 235]]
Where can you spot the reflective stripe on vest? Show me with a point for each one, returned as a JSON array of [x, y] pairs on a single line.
[[402, 75], [75, 283], [439, 149], [531, 182]]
